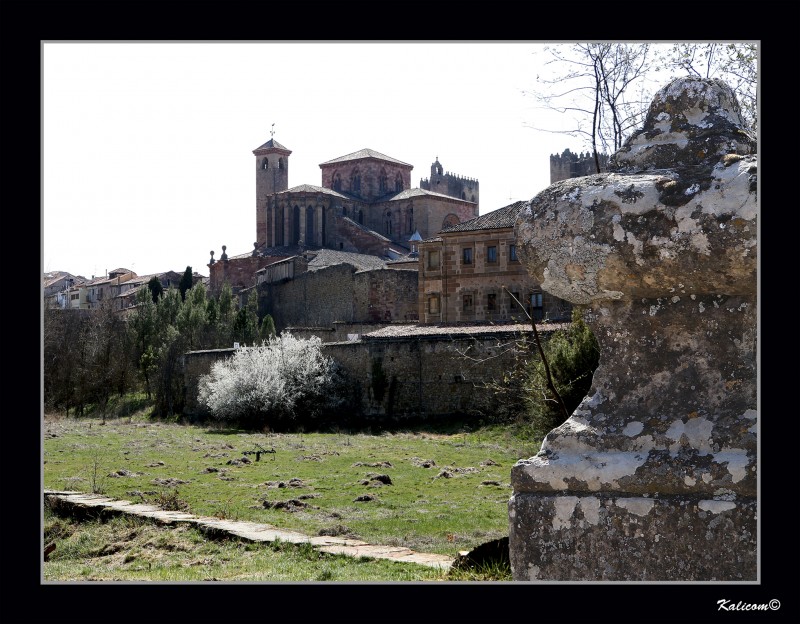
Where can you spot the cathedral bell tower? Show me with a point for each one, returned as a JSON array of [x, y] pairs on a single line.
[[272, 176]]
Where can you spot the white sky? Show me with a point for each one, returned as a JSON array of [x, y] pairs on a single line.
[[147, 147]]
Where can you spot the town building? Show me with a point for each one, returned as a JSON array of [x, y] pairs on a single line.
[[470, 272]]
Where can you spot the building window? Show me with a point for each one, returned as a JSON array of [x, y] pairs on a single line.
[[265, 164], [355, 182], [491, 253], [433, 304], [361, 217], [433, 259], [337, 182], [280, 163], [467, 303], [388, 224], [383, 182], [398, 183], [537, 311], [491, 301], [512, 253], [467, 255]]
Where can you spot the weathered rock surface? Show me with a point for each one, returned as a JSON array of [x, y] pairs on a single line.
[[653, 477]]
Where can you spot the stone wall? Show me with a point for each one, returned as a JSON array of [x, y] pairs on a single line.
[[240, 273], [405, 377], [194, 365], [341, 294]]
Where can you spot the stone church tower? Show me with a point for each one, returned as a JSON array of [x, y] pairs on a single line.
[[272, 176]]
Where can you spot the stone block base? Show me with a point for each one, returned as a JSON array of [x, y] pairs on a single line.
[[610, 538]]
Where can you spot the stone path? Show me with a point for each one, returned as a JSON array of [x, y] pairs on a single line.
[[251, 531]]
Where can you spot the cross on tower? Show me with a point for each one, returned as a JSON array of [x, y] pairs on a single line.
[[272, 132]]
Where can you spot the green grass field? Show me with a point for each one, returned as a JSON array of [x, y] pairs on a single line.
[[432, 491]]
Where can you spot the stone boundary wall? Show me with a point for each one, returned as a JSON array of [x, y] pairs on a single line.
[[398, 378]]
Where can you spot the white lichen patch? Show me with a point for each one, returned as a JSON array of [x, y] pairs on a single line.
[[716, 506], [752, 414], [564, 507], [590, 506], [697, 117], [596, 470], [595, 400], [533, 572], [690, 481], [699, 241], [638, 506], [737, 461], [695, 432], [633, 428]]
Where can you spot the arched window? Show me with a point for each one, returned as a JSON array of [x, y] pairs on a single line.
[[344, 210], [355, 181], [450, 220], [265, 163], [279, 226], [383, 182], [296, 225], [463, 195], [337, 181], [280, 163], [411, 219], [310, 226], [361, 217], [473, 199], [398, 183], [388, 223]]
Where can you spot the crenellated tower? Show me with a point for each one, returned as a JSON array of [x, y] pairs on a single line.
[[567, 165], [451, 184]]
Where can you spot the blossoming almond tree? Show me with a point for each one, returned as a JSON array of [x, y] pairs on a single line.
[[282, 379]]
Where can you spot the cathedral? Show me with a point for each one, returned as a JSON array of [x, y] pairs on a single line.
[[364, 204]]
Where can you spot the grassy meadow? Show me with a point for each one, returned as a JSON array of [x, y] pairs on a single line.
[[439, 491]]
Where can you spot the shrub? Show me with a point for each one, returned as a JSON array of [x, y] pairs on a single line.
[[285, 379], [572, 355]]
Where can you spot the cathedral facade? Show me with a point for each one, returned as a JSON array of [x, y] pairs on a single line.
[[364, 204]]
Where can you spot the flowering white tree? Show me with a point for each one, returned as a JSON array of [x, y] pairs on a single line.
[[281, 379]]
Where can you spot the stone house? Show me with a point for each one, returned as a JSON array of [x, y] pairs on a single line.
[[322, 287], [470, 272]]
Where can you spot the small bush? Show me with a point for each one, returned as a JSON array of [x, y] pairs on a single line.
[[285, 380], [572, 355]]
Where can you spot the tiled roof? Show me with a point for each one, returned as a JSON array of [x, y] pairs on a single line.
[[273, 144], [364, 153], [500, 218], [330, 257], [417, 192], [410, 331], [310, 188], [366, 229]]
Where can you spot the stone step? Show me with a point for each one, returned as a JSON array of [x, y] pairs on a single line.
[[251, 531]]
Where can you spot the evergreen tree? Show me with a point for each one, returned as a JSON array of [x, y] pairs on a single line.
[[155, 288], [245, 325], [186, 282], [267, 328], [572, 355]]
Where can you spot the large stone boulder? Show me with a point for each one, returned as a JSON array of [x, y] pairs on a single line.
[[653, 477]]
